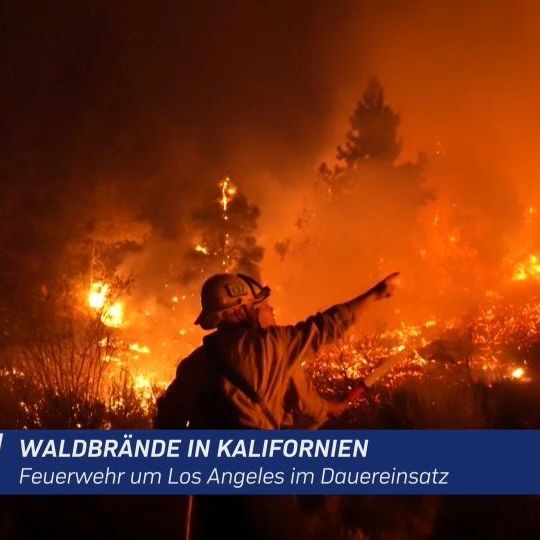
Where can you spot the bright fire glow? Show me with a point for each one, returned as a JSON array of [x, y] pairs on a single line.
[[110, 315], [199, 248], [113, 316], [143, 349], [527, 269], [228, 191], [476, 345], [141, 382], [143, 387], [98, 295]]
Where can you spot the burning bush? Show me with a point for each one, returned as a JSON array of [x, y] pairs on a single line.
[[68, 372]]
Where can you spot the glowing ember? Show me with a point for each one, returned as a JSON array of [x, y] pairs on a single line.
[[143, 349], [527, 269], [518, 373], [199, 248]]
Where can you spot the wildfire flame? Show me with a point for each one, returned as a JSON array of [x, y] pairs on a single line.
[[527, 269], [200, 248], [98, 295], [145, 386], [228, 191], [142, 349], [483, 344], [113, 316], [142, 382], [477, 343], [110, 315]]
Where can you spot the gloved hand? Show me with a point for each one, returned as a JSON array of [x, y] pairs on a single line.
[[386, 287]]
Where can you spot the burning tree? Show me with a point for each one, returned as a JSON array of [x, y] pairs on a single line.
[[224, 236]]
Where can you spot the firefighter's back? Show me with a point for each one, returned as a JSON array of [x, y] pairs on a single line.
[[195, 399]]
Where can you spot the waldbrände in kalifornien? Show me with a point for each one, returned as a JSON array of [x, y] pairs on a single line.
[[131, 447]]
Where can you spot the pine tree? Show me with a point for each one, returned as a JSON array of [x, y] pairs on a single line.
[[224, 237], [373, 130], [372, 139], [368, 188]]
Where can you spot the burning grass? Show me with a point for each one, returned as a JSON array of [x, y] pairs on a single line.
[[477, 371], [28, 405]]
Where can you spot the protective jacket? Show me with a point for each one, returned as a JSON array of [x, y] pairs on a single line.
[[249, 377]]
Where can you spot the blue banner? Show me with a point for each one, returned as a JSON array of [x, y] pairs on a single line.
[[385, 462]]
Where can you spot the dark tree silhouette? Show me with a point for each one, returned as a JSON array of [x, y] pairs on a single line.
[[224, 239], [373, 130], [371, 149]]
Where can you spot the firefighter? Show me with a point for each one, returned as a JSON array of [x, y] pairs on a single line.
[[262, 361], [248, 374]]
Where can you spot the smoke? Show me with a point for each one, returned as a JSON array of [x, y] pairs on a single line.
[[463, 80]]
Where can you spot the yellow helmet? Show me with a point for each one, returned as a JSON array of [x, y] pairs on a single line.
[[222, 293]]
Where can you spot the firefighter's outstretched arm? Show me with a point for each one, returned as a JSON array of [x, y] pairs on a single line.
[[307, 337], [383, 289]]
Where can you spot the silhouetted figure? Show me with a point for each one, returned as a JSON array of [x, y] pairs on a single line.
[[248, 375]]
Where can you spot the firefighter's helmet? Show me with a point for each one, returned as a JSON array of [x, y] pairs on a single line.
[[222, 293]]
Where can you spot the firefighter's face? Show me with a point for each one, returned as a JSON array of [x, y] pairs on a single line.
[[265, 315]]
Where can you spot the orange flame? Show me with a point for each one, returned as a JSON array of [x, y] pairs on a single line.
[[200, 248], [98, 295], [527, 269], [112, 315], [228, 191], [142, 349]]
